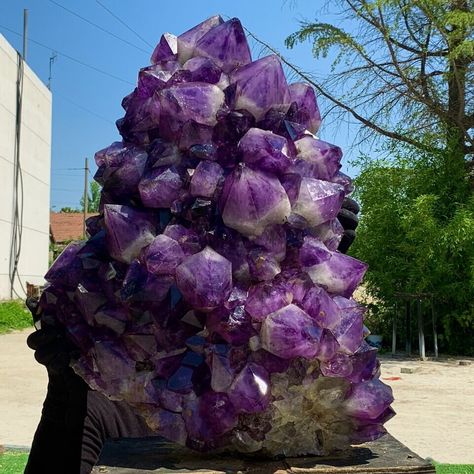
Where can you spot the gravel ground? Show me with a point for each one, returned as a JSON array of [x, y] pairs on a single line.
[[434, 403]]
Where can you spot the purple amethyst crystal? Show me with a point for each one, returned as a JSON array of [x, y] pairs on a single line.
[[203, 70], [349, 331], [187, 41], [265, 150], [290, 332], [208, 418], [141, 285], [316, 159], [317, 201], [263, 266], [344, 181], [210, 295], [321, 307], [252, 200], [329, 233], [226, 45], [151, 79], [308, 112], [260, 86], [273, 239], [67, 268], [160, 187], [163, 255], [186, 238], [233, 325], [205, 279], [250, 390], [198, 102], [166, 49], [206, 177], [127, 231], [338, 273], [120, 168], [266, 298], [368, 400]]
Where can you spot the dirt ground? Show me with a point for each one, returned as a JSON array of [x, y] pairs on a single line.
[[22, 390], [435, 408], [434, 404]]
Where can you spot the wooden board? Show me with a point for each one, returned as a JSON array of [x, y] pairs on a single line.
[[156, 455]]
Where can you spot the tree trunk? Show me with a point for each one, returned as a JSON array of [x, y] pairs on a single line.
[[455, 163]]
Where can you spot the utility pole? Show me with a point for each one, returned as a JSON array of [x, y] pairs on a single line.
[[25, 33], [86, 195]]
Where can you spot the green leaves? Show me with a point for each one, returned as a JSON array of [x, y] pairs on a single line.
[[324, 36], [405, 70], [399, 67], [413, 244], [93, 198]]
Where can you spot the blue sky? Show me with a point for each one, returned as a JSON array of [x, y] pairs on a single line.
[[86, 103]]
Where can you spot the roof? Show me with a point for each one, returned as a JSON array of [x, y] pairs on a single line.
[[66, 226]]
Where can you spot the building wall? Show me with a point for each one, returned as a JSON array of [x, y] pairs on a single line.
[[35, 157]]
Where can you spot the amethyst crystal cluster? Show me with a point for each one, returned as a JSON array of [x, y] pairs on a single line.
[[210, 295]]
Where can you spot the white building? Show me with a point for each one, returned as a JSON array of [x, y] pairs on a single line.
[[32, 243]]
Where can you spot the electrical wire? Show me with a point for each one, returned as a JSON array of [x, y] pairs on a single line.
[[95, 25], [124, 24], [67, 56], [67, 175], [70, 169], [85, 109], [18, 192], [66, 190]]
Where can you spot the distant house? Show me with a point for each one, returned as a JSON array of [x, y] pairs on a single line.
[[64, 228]]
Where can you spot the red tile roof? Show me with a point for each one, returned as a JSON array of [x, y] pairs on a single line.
[[65, 226]]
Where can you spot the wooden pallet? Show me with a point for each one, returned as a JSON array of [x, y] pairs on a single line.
[[155, 455]]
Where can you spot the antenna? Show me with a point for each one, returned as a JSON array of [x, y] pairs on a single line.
[[52, 60]]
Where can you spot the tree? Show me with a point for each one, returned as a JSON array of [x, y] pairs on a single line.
[[68, 209], [93, 198], [411, 248], [402, 68]]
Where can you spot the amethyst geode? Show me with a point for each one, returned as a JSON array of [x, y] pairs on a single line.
[[210, 295]]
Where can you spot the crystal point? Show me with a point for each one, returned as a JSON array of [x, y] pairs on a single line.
[[261, 85], [226, 45], [205, 279]]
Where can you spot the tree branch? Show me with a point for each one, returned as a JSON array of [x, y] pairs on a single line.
[[408, 82], [387, 133]]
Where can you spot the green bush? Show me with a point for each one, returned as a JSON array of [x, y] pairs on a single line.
[[416, 235]]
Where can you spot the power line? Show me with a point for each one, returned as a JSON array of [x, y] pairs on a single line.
[[95, 25], [85, 109], [71, 58], [66, 175], [75, 191], [124, 24]]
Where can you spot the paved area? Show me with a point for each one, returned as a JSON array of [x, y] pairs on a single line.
[[434, 403], [435, 408], [22, 390]]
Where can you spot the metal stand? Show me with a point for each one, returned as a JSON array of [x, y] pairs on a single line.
[[156, 455]]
